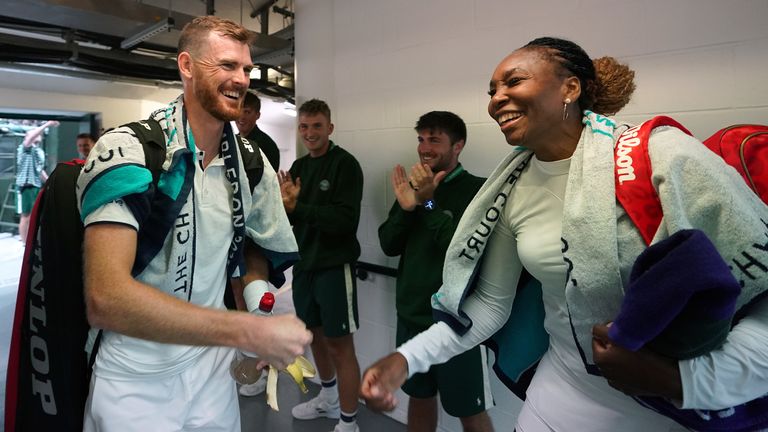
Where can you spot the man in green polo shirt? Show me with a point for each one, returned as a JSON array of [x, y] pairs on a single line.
[[321, 194], [429, 205]]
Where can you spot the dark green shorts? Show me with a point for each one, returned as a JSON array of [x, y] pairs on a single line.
[[26, 197], [327, 298], [463, 381]]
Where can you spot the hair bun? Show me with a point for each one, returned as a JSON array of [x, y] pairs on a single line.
[[614, 85]]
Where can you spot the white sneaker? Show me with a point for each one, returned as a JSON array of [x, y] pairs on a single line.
[[340, 428], [316, 408], [254, 389]]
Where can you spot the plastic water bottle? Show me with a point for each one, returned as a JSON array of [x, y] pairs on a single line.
[[244, 367]]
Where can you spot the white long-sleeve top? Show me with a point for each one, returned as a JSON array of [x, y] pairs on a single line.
[[562, 395]]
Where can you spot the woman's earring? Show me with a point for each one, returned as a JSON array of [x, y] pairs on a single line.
[[565, 108]]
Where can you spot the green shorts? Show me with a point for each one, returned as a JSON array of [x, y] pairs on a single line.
[[26, 199], [463, 381], [327, 298]]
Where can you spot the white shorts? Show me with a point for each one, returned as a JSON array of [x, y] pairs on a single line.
[[556, 404], [202, 397]]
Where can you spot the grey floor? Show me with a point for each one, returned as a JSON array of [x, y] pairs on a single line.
[[255, 414]]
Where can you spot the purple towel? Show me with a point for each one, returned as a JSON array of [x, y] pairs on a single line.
[[680, 303], [680, 300]]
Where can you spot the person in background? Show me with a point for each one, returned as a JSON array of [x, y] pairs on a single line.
[[157, 256], [84, 143], [246, 125], [429, 204], [30, 174], [322, 194], [248, 128], [550, 101]]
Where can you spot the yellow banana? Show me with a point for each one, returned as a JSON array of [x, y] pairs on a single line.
[[298, 370], [307, 370], [294, 370], [272, 388]]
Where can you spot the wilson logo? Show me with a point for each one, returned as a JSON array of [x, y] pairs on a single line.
[[627, 142]]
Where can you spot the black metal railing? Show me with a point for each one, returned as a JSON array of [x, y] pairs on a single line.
[[363, 268]]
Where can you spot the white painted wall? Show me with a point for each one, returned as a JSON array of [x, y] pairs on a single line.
[[281, 127], [381, 64]]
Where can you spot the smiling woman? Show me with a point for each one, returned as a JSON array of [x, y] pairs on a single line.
[[560, 222], [539, 91]]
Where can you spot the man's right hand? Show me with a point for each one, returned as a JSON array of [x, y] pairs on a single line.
[[116, 301], [289, 190], [381, 380], [404, 192], [278, 339]]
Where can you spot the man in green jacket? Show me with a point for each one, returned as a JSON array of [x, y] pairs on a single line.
[[429, 205], [248, 128], [322, 194]]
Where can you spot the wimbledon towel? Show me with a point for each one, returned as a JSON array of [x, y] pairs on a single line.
[[123, 175]]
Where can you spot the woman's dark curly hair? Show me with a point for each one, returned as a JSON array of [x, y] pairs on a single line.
[[606, 84]]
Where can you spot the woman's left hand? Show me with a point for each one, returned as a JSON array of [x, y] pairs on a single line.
[[640, 373]]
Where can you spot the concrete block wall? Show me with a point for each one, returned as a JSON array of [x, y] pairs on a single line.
[[381, 64]]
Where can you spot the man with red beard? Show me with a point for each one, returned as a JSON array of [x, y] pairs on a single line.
[[157, 254], [430, 203]]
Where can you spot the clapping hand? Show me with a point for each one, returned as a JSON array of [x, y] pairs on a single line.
[[418, 187], [404, 192], [289, 190]]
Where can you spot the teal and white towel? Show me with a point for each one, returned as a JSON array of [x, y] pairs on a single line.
[[123, 175], [595, 226]]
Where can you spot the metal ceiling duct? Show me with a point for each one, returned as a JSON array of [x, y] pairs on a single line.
[[86, 35]]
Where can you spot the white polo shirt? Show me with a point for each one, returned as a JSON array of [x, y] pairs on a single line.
[[125, 357]]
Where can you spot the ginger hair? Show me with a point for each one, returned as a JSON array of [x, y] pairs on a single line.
[[195, 33]]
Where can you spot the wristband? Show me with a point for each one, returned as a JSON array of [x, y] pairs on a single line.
[[253, 293], [429, 205]]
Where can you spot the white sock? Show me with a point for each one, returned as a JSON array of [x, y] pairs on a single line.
[[347, 426], [348, 418], [330, 391]]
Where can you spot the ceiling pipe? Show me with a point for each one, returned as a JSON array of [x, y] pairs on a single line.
[[147, 33], [261, 7], [84, 74], [282, 11]]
